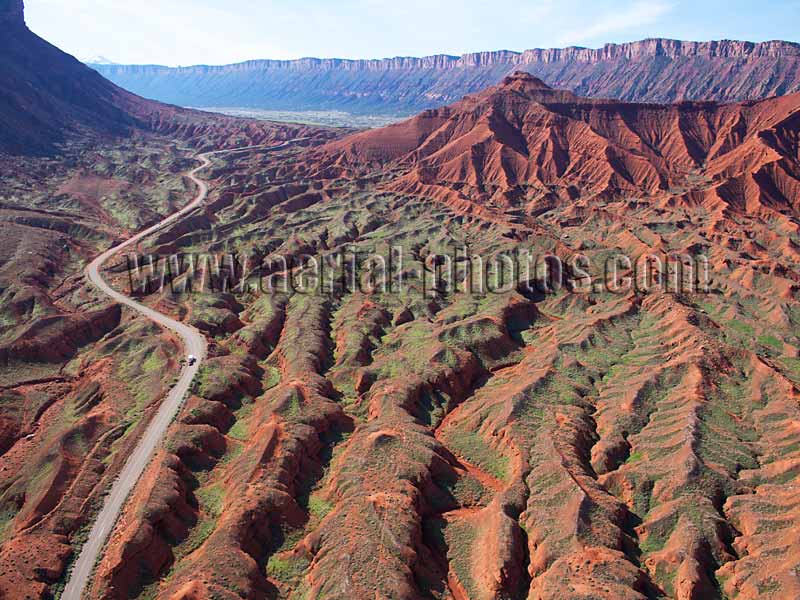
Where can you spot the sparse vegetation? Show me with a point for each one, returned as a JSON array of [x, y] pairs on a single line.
[[474, 449], [331, 428]]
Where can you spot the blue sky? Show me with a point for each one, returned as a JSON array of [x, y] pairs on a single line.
[[183, 32]]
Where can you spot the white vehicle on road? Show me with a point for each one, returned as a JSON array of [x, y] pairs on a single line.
[[193, 341]]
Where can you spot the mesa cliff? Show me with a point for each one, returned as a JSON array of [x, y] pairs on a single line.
[[652, 70]]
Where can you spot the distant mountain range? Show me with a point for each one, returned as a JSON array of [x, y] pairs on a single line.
[[653, 70]]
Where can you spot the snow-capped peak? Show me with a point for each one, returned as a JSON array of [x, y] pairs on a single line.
[[97, 60]]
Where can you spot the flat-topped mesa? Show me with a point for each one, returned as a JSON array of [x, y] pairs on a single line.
[[12, 12], [643, 49], [672, 49], [652, 70]]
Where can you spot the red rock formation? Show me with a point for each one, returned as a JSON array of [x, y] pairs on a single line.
[[521, 143], [56, 338]]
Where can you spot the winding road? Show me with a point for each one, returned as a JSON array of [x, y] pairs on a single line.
[[194, 344]]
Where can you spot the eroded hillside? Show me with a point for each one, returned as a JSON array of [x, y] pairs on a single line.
[[81, 378], [439, 443]]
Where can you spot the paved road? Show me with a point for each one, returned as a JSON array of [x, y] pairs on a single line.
[[194, 343]]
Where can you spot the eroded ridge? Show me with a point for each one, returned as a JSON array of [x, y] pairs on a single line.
[[497, 446], [436, 442]]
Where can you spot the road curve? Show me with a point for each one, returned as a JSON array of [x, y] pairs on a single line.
[[194, 343]]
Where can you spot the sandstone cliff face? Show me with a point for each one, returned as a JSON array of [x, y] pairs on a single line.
[[653, 70]]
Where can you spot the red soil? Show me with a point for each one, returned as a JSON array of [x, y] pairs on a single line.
[[522, 144]]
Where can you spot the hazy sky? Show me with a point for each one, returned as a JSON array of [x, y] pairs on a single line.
[[183, 32]]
